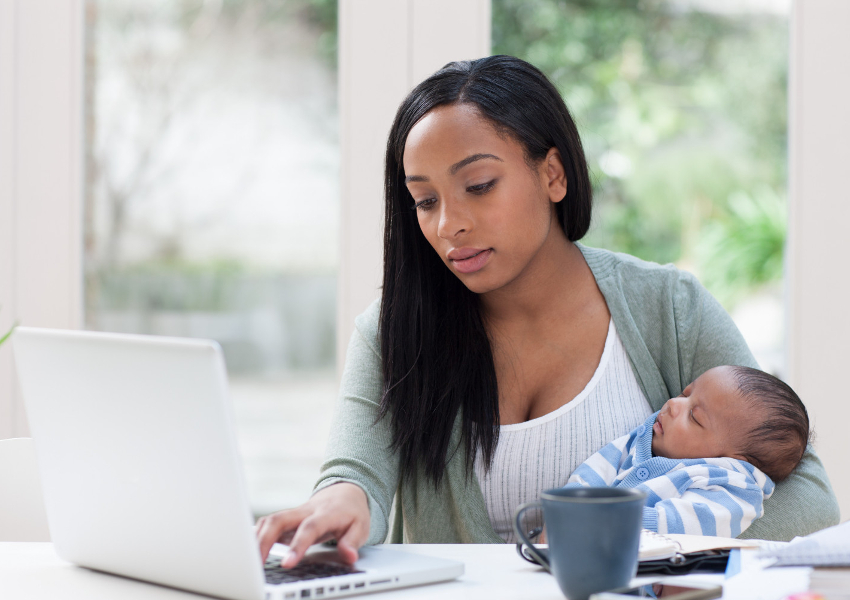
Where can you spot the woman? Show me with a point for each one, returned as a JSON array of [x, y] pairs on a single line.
[[502, 353]]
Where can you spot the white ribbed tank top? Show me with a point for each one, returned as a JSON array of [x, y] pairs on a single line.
[[542, 453]]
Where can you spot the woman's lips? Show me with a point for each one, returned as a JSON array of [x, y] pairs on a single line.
[[472, 263]]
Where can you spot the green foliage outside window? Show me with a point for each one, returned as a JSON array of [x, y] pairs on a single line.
[[683, 117]]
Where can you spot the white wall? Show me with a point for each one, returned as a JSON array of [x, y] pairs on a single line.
[[817, 261], [385, 48], [41, 149]]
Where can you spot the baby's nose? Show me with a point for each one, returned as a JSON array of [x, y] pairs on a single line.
[[675, 406]]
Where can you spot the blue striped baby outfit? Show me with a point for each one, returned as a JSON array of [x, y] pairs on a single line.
[[700, 496]]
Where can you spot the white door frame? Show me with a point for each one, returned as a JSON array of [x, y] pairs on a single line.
[[386, 47], [818, 276], [41, 149]]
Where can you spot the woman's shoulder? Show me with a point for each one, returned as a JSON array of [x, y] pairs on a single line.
[[639, 279], [366, 324], [363, 356]]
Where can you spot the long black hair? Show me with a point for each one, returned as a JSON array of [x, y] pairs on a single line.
[[437, 361]]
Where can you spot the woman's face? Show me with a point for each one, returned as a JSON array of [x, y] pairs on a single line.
[[482, 208]]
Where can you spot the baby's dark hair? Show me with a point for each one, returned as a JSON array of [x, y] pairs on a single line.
[[776, 445]]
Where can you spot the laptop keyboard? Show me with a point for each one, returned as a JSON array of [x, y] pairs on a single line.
[[275, 574]]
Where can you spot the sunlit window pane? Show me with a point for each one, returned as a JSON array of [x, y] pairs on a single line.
[[682, 107], [212, 205]]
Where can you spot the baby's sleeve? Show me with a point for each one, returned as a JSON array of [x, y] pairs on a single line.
[[705, 499], [601, 469]]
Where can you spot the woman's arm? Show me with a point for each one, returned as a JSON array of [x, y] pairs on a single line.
[[359, 477], [802, 503], [359, 448], [674, 331]]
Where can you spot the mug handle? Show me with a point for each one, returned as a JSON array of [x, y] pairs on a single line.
[[540, 558]]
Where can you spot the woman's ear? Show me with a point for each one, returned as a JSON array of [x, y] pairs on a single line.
[[556, 177]]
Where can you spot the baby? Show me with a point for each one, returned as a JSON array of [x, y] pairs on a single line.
[[708, 458]]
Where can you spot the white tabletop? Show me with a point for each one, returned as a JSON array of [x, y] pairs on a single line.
[[493, 571]]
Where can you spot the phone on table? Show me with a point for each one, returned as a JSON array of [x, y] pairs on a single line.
[[669, 589]]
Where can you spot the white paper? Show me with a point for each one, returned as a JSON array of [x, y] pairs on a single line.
[[828, 547]]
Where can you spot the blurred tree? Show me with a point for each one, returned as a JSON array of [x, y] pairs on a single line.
[[197, 114], [745, 244], [681, 112]]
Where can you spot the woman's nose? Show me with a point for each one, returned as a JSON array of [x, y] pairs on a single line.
[[454, 219]]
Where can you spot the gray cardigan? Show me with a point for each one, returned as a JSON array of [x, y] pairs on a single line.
[[673, 331]]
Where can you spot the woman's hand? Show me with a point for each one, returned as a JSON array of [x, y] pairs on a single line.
[[340, 511]]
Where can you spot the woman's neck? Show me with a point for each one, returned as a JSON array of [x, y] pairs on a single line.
[[553, 282]]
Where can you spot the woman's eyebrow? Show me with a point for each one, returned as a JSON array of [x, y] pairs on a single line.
[[455, 167], [471, 159]]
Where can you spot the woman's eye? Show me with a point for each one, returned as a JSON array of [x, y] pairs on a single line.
[[424, 204], [481, 188]]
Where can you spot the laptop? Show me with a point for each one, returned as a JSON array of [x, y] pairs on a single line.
[[142, 477]]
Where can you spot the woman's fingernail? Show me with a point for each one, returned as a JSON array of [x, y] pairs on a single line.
[[288, 559]]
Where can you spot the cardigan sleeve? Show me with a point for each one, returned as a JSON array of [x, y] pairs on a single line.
[[358, 448], [707, 335], [802, 503], [674, 331]]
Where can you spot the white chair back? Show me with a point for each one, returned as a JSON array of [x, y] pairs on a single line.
[[22, 514]]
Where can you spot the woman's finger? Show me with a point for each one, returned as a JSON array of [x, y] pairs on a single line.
[[258, 526], [338, 511], [277, 527], [309, 532], [351, 541]]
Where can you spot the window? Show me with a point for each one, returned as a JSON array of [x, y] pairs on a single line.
[[682, 108], [211, 206]]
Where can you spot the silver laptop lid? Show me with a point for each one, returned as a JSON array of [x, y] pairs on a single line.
[[139, 459]]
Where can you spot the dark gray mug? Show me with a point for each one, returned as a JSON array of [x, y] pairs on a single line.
[[593, 535]]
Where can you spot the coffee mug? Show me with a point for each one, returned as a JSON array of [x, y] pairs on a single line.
[[593, 535]]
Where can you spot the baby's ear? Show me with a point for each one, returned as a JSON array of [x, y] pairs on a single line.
[[741, 457]]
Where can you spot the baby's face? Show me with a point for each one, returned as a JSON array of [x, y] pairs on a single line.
[[708, 420]]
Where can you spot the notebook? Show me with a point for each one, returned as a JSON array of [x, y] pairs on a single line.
[[680, 554], [142, 476], [657, 546], [829, 547], [690, 544]]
